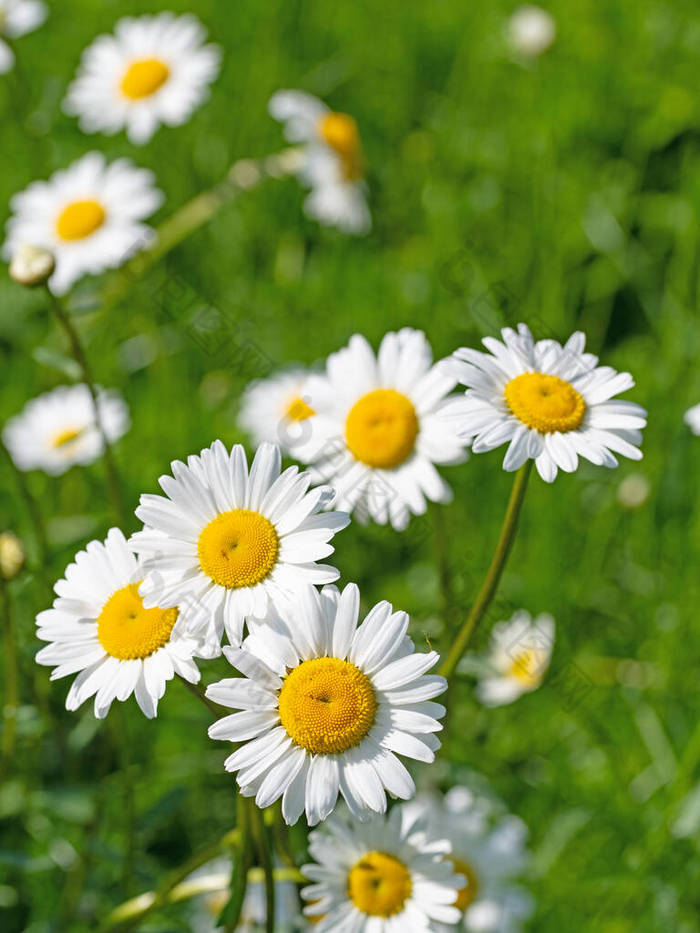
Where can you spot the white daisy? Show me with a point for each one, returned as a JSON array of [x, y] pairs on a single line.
[[153, 70], [518, 658], [57, 430], [327, 706], [226, 544], [332, 162], [277, 409], [376, 433], [98, 626], [488, 849], [549, 402], [17, 18], [88, 215], [531, 30], [692, 419], [389, 875]]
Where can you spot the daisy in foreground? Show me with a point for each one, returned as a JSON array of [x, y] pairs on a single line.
[[99, 626], [277, 409], [377, 432], [326, 706], [226, 543], [57, 430], [153, 70], [88, 215], [332, 163], [518, 658], [391, 875], [17, 18], [548, 402]]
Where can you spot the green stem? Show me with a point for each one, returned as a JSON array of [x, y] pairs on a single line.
[[493, 574], [196, 690], [262, 843], [11, 691], [242, 861], [121, 740], [36, 519]]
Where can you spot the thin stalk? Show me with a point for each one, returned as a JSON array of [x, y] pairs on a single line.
[[242, 861], [36, 519], [493, 574], [196, 690], [11, 691], [262, 843], [121, 740]]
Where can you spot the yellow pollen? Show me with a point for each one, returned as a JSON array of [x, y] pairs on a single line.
[[143, 78], [80, 219], [379, 884], [545, 403], [238, 548], [299, 410], [126, 630], [467, 894], [64, 438], [381, 428], [327, 705], [527, 668], [339, 131]]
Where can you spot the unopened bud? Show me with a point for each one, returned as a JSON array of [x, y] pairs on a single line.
[[32, 265], [11, 555]]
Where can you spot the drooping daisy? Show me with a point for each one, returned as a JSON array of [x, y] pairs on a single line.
[[17, 18], [57, 430], [518, 658], [226, 544], [88, 215], [531, 30], [377, 434], [326, 706], [549, 402], [277, 409], [390, 875], [332, 162], [692, 419], [99, 627], [154, 70]]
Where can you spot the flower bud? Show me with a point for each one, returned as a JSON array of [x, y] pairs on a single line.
[[31, 265], [11, 555]]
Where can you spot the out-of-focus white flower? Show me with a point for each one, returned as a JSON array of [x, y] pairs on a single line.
[[31, 265], [531, 30], [17, 18], [633, 491], [11, 555], [277, 410], [518, 658], [692, 419]]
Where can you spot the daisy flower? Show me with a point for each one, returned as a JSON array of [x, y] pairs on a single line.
[[377, 432], [332, 163], [389, 875], [88, 215], [17, 18], [99, 627], [326, 706], [277, 409], [224, 543], [518, 658], [153, 70], [57, 430], [549, 402], [692, 419]]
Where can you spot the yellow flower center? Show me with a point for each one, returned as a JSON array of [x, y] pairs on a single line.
[[64, 438], [379, 884], [467, 894], [527, 668], [238, 548], [299, 410], [381, 428], [327, 705], [80, 219], [545, 403], [143, 78], [339, 131], [126, 630]]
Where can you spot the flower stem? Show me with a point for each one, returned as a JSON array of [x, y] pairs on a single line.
[[262, 842], [36, 519], [493, 574], [11, 691], [196, 690]]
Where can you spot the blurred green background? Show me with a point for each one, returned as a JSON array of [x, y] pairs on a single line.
[[562, 193]]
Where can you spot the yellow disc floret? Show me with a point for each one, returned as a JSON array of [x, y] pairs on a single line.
[[126, 630], [65, 437], [528, 668], [80, 219], [238, 548], [467, 894], [327, 705], [143, 78], [379, 884], [339, 131], [545, 403], [299, 410], [381, 428]]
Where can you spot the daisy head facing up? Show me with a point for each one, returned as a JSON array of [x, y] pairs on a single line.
[[548, 402], [332, 164], [277, 410], [17, 18], [57, 430], [89, 216], [100, 629], [153, 70], [518, 658], [387, 875], [327, 706]]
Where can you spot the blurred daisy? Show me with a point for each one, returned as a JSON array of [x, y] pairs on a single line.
[[88, 215], [692, 419], [226, 544], [518, 658], [384, 876], [153, 70], [332, 161], [549, 402], [327, 706], [531, 31], [17, 18], [99, 626], [277, 409], [377, 432], [57, 430]]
